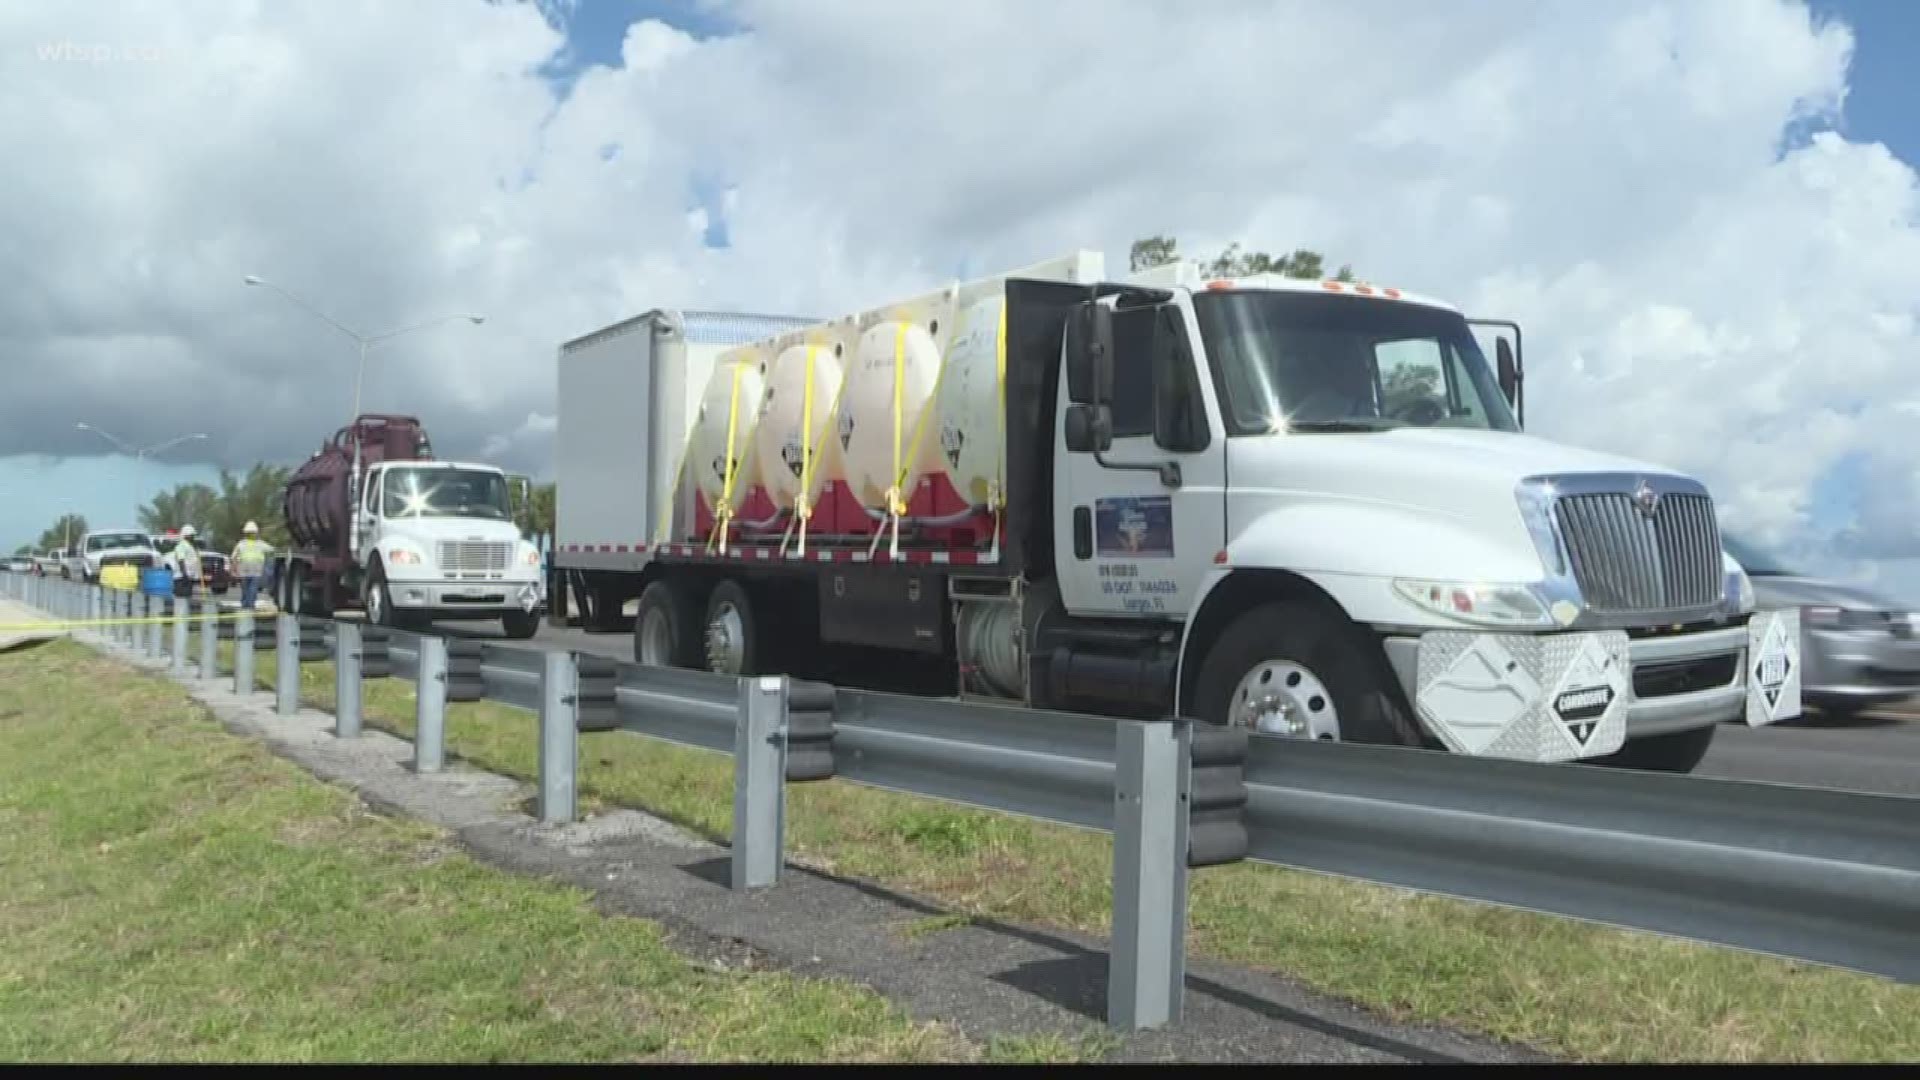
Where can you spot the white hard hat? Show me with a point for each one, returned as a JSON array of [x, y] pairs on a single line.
[[250, 527], [186, 530]]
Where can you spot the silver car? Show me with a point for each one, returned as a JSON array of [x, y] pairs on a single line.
[[1858, 649]]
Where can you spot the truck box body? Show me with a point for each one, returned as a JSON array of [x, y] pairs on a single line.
[[631, 450], [629, 392]]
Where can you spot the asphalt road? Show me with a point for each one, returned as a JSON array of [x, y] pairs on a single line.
[[1878, 752]]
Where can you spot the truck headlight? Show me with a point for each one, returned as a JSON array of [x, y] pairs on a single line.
[[1738, 589], [403, 557], [1476, 602]]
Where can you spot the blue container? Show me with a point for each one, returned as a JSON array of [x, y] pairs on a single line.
[[156, 581]]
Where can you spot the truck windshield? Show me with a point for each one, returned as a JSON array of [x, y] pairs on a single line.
[[1296, 361], [444, 493], [106, 541]]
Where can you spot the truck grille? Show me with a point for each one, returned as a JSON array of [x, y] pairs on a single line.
[[474, 555], [1626, 560]]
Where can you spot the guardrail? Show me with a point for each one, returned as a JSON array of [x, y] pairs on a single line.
[[1824, 876]]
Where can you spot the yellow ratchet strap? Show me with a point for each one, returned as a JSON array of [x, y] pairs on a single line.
[[723, 514]]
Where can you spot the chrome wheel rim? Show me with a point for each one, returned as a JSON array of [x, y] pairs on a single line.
[[656, 639], [1285, 698], [726, 640], [376, 605]]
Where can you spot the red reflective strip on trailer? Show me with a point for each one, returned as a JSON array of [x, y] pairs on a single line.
[[606, 547], [620, 547]]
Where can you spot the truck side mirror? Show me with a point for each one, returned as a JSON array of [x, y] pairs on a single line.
[[1089, 429], [1090, 355], [1509, 374]]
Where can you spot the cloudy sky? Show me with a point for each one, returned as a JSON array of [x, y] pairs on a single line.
[[1704, 212]]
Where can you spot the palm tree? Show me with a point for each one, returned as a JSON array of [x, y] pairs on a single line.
[[254, 497], [67, 529], [187, 504], [536, 517]]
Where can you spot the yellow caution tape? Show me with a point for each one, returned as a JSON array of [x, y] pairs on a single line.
[[53, 624], [998, 495]]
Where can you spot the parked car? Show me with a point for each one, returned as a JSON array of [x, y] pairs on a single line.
[[109, 547], [20, 564], [1858, 649]]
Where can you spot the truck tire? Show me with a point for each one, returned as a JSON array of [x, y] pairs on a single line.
[[1300, 670], [377, 599], [731, 634], [667, 627], [1675, 752], [520, 625]]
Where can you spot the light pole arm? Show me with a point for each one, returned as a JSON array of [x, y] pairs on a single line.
[[316, 312], [376, 338], [110, 437], [157, 447]]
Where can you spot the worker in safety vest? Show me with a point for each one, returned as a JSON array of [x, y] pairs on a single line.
[[250, 562], [186, 564]]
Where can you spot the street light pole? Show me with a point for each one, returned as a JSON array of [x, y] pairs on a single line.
[[138, 454], [365, 341]]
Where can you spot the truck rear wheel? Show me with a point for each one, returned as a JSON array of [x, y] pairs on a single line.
[[1300, 671], [666, 628], [732, 635]]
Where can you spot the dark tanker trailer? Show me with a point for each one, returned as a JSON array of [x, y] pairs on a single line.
[[378, 523]]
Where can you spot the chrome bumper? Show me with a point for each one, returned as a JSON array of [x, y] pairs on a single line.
[[1703, 707]]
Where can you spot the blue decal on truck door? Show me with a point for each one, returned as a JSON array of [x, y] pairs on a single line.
[[1133, 527]]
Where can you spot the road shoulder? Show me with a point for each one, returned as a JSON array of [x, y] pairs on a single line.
[[991, 981]]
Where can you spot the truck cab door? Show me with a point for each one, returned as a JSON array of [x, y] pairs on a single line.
[[1139, 523], [369, 512]]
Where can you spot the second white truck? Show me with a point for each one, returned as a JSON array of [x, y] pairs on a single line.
[[1304, 507]]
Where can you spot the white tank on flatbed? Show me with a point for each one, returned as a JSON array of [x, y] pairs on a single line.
[[795, 443], [723, 429]]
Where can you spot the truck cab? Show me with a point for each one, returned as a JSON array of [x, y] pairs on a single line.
[[1312, 504], [438, 539]]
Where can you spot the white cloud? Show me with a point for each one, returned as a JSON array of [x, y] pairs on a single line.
[[1609, 174]]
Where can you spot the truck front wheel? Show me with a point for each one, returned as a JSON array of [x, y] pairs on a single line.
[[1300, 671], [666, 628]]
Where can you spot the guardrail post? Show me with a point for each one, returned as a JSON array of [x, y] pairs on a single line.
[[430, 706], [286, 652], [243, 653], [93, 611], [156, 635], [181, 610], [346, 680], [1146, 971], [209, 638], [559, 737], [759, 788]]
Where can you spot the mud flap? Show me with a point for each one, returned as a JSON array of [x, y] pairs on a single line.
[[1773, 666], [1531, 697]]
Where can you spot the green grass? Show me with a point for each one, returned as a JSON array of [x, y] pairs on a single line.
[[1583, 991], [171, 892]]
